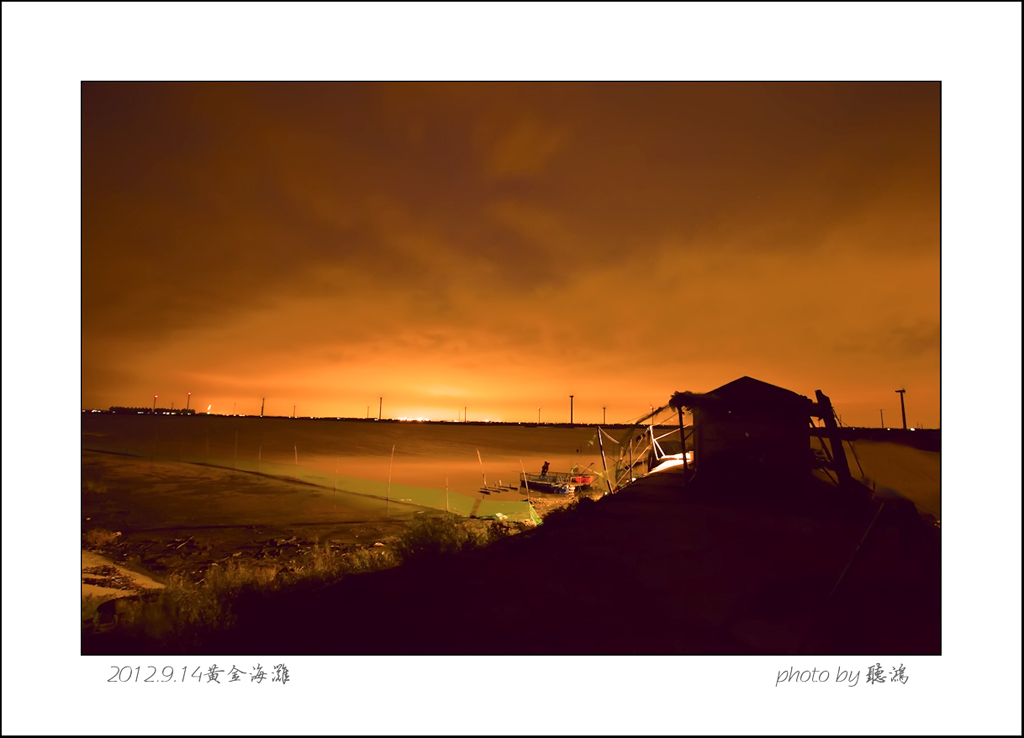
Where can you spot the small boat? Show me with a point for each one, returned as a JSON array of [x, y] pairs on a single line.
[[559, 484]]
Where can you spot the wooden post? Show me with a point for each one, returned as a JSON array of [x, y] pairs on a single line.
[[682, 442]]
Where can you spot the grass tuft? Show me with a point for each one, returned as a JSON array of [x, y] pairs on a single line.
[[430, 538], [99, 538]]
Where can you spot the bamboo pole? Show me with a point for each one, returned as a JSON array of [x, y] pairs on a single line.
[[604, 461], [390, 466], [482, 472]]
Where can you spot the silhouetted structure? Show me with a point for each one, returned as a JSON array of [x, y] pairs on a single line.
[[749, 428]]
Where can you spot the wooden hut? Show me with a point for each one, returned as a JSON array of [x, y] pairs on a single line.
[[750, 428]]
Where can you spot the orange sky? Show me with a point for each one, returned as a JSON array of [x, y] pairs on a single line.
[[502, 246]]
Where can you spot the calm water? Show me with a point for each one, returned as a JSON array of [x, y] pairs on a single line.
[[429, 455]]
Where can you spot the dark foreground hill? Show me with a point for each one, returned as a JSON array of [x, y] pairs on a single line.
[[659, 568]]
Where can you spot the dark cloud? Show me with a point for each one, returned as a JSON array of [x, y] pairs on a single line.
[[327, 239]]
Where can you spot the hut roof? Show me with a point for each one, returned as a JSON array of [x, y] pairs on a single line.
[[743, 392]]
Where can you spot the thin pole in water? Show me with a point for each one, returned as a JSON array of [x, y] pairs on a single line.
[[604, 462], [390, 466], [480, 459], [525, 480]]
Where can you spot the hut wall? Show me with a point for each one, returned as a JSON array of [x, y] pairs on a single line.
[[777, 444]]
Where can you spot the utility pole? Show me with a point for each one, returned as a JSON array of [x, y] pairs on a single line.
[[187, 401], [263, 404], [154, 403], [538, 420], [903, 408], [605, 416], [570, 409], [465, 417], [882, 416]]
